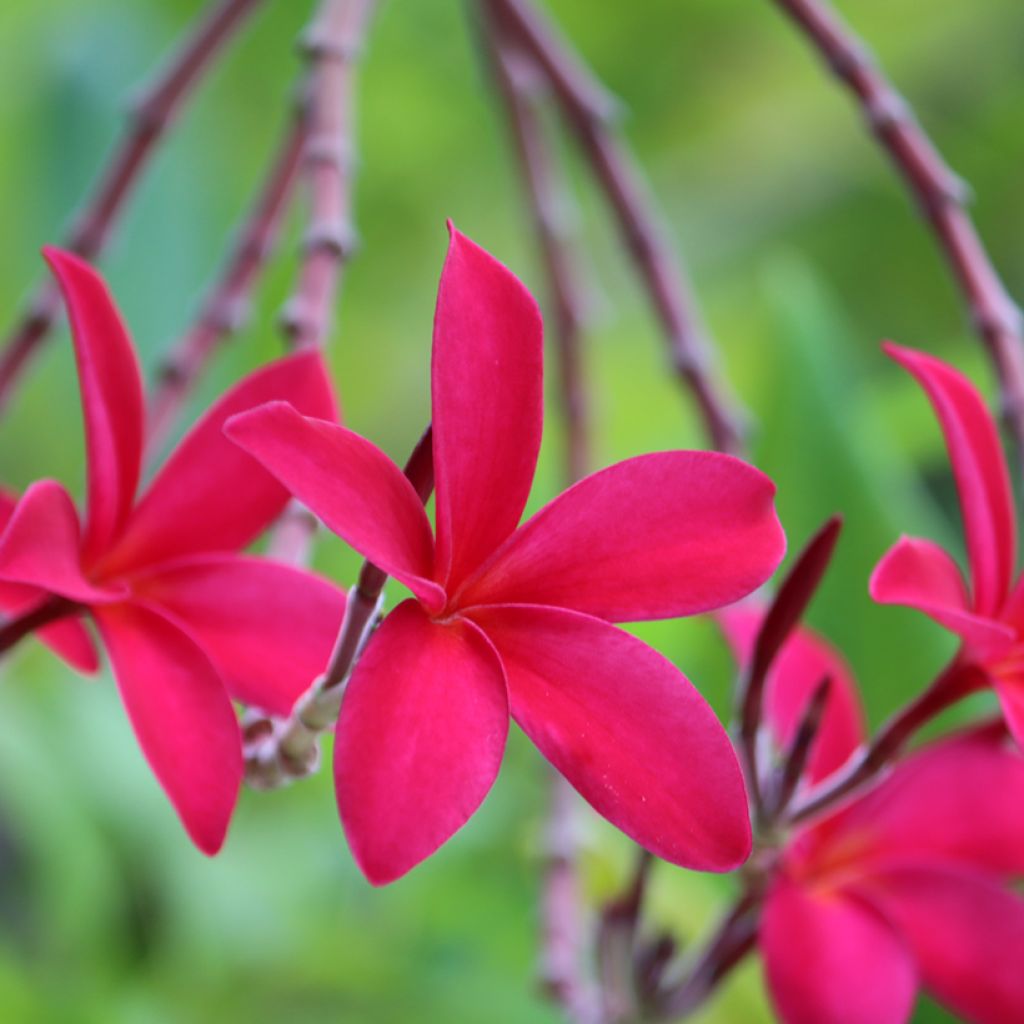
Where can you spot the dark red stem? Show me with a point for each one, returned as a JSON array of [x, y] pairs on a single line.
[[16, 629]]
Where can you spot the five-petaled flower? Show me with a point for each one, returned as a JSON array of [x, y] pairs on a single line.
[[188, 622], [989, 616], [519, 619], [907, 885]]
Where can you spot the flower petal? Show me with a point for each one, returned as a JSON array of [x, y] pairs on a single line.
[[800, 666], [108, 374], [268, 628], [41, 543], [982, 480], [627, 729], [487, 388], [966, 932], [831, 957], [210, 496], [955, 801], [1011, 699], [357, 491], [655, 537], [419, 740], [181, 714], [919, 574]]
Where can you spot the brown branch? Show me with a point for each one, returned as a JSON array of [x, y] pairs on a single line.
[[227, 305], [278, 751], [332, 45], [940, 194], [586, 112], [150, 118]]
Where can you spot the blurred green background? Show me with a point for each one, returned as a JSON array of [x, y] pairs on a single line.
[[805, 252]]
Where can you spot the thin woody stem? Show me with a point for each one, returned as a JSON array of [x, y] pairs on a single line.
[[587, 111], [939, 192], [227, 306], [281, 750], [150, 118], [332, 46], [16, 629], [955, 683]]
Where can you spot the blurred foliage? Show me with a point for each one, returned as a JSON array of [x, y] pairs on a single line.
[[805, 252]]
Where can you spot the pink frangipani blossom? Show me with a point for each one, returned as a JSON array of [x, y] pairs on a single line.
[[188, 622], [509, 618]]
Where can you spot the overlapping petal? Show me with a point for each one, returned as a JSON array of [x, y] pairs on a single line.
[[1010, 692], [830, 956], [804, 661], [210, 495], [111, 387], [181, 715], [487, 389], [658, 536], [981, 476], [268, 628], [627, 729], [966, 933], [351, 485], [41, 545], [919, 574], [419, 741]]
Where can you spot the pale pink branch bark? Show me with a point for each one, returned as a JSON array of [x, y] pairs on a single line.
[[151, 115]]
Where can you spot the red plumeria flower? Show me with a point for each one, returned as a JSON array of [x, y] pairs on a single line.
[[904, 887], [508, 619], [188, 622], [989, 615]]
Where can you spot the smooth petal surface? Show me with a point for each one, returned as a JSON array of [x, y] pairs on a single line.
[[357, 491], [268, 628], [419, 740], [41, 546], [181, 715], [487, 391], [1011, 699], [957, 801], [805, 659], [919, 574], [210, 495], [108, 375], [627, 729], [832, 959], [655, 537], [966, 933], [982, 480]]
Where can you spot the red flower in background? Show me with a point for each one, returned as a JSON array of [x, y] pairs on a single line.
[[988, 616], [187, 621], [518, 619], [905, 886]]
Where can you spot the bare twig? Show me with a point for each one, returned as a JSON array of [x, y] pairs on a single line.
[[151, 115], [227, 305], [281, 750], [586, 111], [332, 45], [939, 192]]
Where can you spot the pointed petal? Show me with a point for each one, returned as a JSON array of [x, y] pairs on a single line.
[[800, 666], [419, 740], [268, 628], [108, 374], [41, 543], [181, 715], [627, 729], [210, 496], [655, 537], [919, 574], [958, 800], [487, 388], [357, 491], [831, 957], [966, 932], [980, 470]]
